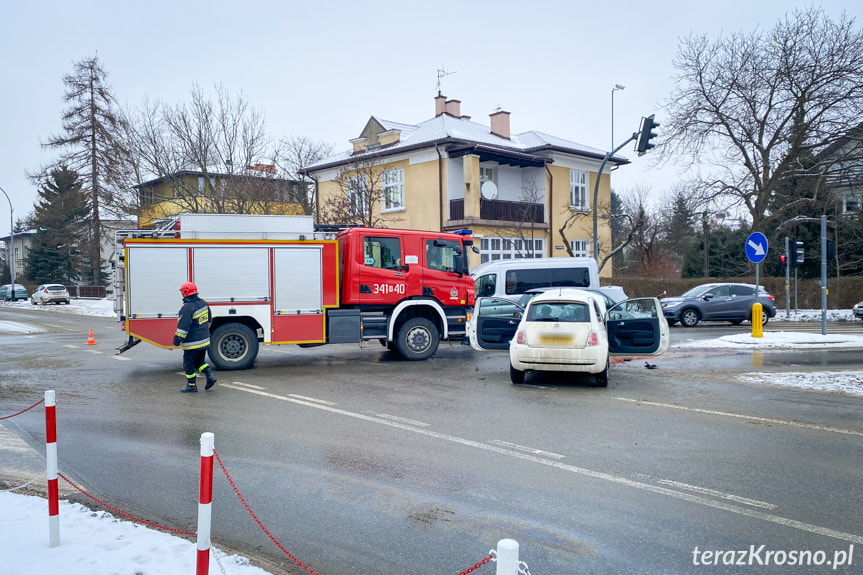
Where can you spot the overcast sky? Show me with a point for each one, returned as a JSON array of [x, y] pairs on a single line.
[[321, 69]]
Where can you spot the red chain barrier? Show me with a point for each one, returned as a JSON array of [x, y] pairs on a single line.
[[258, 521], [115, 510], [23, 410], [476, 566]]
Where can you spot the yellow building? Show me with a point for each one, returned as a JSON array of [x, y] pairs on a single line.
[[521, 194], [197, 192]]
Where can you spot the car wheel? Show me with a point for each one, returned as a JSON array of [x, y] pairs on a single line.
[[765, 317], [690, 318], [233, 346], [417, 339], [515, 375], [601, 378]]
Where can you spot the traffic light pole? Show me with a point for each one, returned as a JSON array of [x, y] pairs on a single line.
[[596, 195], [787, 278], [823, 275]]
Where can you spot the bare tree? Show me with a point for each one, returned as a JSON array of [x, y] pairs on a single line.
[[91, 147], [357, 197], [224, 140], [526, 221], [632, 223], [754, 108], [295, 153]]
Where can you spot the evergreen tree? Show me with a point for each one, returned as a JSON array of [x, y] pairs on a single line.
[[726, 254], [60, 220], [93, 148]]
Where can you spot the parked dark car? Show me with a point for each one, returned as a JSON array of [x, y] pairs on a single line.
[[730, 302], [858, 310]]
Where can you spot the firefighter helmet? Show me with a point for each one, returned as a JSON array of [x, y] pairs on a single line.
[[188, 288]]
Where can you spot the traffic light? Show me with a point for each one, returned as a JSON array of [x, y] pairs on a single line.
[[798, 259], [645, 134], [831, 250], [783, 262]]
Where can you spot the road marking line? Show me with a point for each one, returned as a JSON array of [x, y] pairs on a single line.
[[121, 358], [70, 346], [401, 419], [712, 492], [722, 505], [303, 397], [527, 449], [749, 417], [247, 385]]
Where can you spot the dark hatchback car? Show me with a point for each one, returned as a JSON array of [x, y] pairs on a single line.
[[717, 302]]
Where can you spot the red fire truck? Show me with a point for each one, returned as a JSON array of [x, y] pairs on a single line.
[[276, 280]]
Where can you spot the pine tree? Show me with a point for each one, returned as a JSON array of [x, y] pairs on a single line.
[[60, 220], [92, 147]]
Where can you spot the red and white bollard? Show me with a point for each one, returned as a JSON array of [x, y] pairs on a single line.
[[205, 503], [51, 456]]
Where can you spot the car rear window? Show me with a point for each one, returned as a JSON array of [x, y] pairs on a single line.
[[563, 312], [57, 288]]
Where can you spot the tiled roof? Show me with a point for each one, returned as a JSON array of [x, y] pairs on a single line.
[[446, 128]]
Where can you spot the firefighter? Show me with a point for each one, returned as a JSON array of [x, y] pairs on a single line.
[[193, 335]]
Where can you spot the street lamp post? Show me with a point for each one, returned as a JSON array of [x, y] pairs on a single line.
[[613, 90], [11, 258]]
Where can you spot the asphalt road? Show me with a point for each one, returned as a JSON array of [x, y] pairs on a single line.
[[360, 463]]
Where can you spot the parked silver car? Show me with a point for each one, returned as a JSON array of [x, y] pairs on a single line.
[[50, 293], [717, 302]]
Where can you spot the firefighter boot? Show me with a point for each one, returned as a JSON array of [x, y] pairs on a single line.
[[191, 387], [211, 379]]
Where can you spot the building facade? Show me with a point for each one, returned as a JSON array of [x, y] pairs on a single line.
[[525, 195], [257, 191]]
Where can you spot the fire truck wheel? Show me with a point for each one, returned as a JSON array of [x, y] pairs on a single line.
[[417, 339], [233, 346]]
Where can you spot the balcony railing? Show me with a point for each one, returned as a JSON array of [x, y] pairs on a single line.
[[501, 210]]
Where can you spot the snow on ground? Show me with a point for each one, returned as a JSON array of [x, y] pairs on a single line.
[[94, 543]]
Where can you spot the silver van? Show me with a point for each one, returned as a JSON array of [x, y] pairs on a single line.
[[510, 278]]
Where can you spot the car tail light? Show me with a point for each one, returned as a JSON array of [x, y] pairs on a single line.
[[592, 339], [521, 337], [45, 290], [770, 297]]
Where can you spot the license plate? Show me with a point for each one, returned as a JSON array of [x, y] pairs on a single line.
[[557, 340]]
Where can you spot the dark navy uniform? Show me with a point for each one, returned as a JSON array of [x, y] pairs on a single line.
[[193, 335]]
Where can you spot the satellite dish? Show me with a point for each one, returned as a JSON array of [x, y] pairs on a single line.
[[488, 190]]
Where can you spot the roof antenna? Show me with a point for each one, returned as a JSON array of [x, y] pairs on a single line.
[[441, 73]]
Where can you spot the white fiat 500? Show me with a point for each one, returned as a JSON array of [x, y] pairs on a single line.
[[568, 330]]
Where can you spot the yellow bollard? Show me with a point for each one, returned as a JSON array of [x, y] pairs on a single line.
[[757, 310]]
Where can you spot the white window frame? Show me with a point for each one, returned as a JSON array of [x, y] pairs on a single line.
[[851, 203], [486, 174], [578, 198], [393, 190], [358, 195], [581, 248], [493, 248]]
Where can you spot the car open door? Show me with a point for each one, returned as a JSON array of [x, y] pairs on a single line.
[[637, 327], [493, 323]]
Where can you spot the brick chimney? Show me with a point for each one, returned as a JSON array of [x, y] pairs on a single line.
[[500, 124], [453, 108], [439, 105]]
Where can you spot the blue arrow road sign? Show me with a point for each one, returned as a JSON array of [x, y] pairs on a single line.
[[756, 247]]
